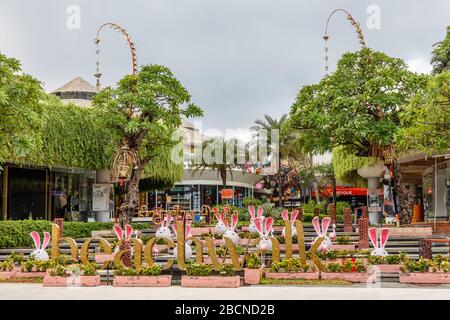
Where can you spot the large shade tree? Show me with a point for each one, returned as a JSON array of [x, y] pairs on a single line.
[[441, 54], [143, 110], [357, 107]]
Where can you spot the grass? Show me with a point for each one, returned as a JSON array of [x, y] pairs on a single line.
[[21, 280], [304, 282]]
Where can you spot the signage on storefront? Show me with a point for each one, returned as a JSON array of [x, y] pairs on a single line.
[[100, 197], [227, 193]]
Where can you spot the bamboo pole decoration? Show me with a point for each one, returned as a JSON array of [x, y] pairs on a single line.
[[130, 44], [355, 25]]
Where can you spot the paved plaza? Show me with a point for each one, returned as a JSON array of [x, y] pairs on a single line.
[[393, 292]]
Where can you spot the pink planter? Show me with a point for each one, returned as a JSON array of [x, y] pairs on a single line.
[[90, 281], [210, 282], [349, 276], [160, 248], [217, 242], [425, 277], [142, 281], [243, 242], [253, 276], [207, 260], [32, 274], [387, 267], [6, 275], [198, 231], [343, 247], [292, 275], [294, 248], [50, 281]]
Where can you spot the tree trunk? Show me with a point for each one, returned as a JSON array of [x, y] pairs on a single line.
[[316, 190], [333, 182], [406, 199], [131, 201]]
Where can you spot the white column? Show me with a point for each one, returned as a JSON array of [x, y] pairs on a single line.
[[102, 176]]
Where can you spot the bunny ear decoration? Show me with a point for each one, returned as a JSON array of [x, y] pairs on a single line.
[[218, 217], [128, 231], [46, 240], [224, 220], [315, 222], [384, 237], [251, 209], [294, 215], [260, 212], [259, 226], [285, 215], [373, 237], [325, 224], [268, 223], [234, 220], [36, 239], [118, 231], [187, 233]]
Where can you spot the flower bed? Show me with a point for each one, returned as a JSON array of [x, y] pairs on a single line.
[[253, 271], [292, 269], [199, 276], [425, 278], [426, 271], [390, 263], [353, 270], [149, 276], [292, 275]]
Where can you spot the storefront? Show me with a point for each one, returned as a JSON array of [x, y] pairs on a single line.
[[436, 191]]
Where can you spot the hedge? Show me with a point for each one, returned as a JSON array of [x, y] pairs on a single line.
[[16, 233]]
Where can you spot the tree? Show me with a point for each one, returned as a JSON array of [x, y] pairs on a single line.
[[143, 111], [441, 54], [357, 107], [20, 109], [220, 155], [326, 172]]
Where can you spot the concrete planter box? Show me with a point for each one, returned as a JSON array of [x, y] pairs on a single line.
[[253, 276], [210, 282], [292, 275], [6, 275], [198, 231], [387, 267], [243, 242], [50, 281], [207, 260], [90, 281], [217, 242], [142, 281], [160, 248], [32, 274], [343, 247], [425, 277], [349, 276], [294, 248]]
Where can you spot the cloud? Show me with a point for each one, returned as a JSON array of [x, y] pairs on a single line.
[[419, 65]]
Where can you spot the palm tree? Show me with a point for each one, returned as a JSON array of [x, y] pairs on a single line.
[[441, 54], [216, 152]]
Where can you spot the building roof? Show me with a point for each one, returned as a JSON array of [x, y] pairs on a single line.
[[77, 85]]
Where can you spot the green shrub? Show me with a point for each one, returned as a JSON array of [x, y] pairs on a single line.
[[289, 265], [57, 271], [154, 270], [344, 239], [89, 269], [16, 233], [198, 270], [251, 201], [227, 270], [6, 265], [340, 206], [252, 261]]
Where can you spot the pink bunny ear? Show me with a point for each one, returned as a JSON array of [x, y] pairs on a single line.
[[294, 215], [234, 220], [218, 217], [128, 231], [325, 224], [259, 226], [46, 240], [315, 222], [216, 210], [224, 220], [260, 212], [373, 237], [251, 209], [187, 233], [285, 215], [36, 239], [119, 232], [384, 237], [268, 223]]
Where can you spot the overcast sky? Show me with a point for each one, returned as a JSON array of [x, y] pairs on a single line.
[[239, 59]]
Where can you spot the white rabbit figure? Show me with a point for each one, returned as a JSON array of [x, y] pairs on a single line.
[[164, 229], [220, 227], [123, 235], [379, 245], [285, 216], [264, 228], [187, 245], [326, 243], [230, 233], [39, 253], [253, 217]]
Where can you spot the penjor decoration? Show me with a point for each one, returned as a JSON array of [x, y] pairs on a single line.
[[379, 243]]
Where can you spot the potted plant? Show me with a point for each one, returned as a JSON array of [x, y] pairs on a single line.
[[32, 268], [352, 270], [17, 260], [292, 269], [199, 276], [148, 276], [389, 263], [89, 276], [343, 242], [7, 270], [426, 271], [253, 271], [56, 276]]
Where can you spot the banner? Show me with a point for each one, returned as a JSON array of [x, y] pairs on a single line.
[[100, 196]]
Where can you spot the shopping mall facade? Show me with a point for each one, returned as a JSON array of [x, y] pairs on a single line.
[[44, 192]]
